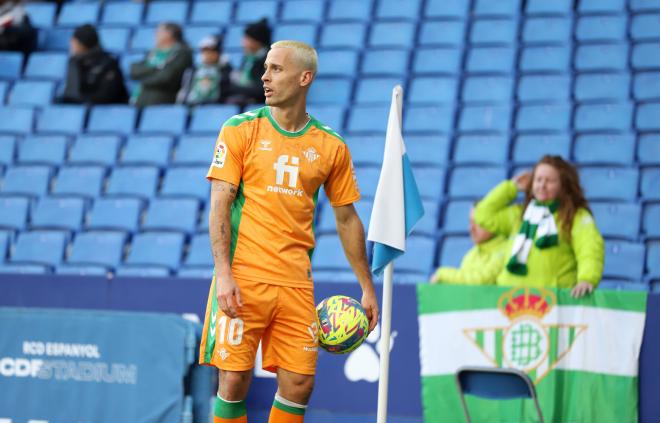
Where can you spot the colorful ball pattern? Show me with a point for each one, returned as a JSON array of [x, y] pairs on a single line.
[[343, 324]]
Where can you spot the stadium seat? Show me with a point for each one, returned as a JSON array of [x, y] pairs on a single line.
[[430, 182], [31, 93], [193, 150], [166, 11], [367, 179], [490, 60], [122, 13], [338, 63], [366, 150], [427, 150], [645, 27], [349, 10], [16, 120], [604, 117], [638, 6], [375, 90], [651, 220], [115, 40], [30, 181], [545, 7], [188, 181], [617, 220], [211, 12], [194, 34], [14, 216], [648, 152], [397, 10], [528, 149], [646, 117], [156, 249], [44, 149], [42, 15], [331, 90], [147, 150], [545, 117], [392, 34], [203, 225], [95, 150], [7, 149], [647, 86], [112, 119], [624, 260], [493, 31], [487, 89], [142, 40], [133, 181], [474, 182], [4, 87], [481, 149], [485, 118], [500, 8], [437, 61], [163, 119], [247, 12], [384, 63], [447, 33], [55, 39], [428, 90], [646, 56], [199, 253], [46, 65], [602, 87], [115, 214], [653, 260], [547, 30], [58, 213], [452, 250], [602, 6], [301, 32], [209, 119], [81, 270], [11, 63], [368, 119], [39, 247], [171, 214], [419, 257], [650, 186], [625, 285], [601, 28], [78, 13], [428, 224], [329, 254], [545, 59], [601, 57], [456, 217], [142, 271], [424, 119], [544, 88], [67, 120], [84, 181], [330, 115], [605, 149], [204, 272], [24, 269], [446, 9], [303, 11], [610, 183]]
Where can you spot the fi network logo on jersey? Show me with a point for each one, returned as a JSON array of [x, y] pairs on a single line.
[[282, 169]]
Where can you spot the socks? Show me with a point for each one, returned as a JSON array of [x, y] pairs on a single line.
[[285, 411], [229, 411]]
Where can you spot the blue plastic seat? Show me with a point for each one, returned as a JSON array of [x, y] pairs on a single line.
[[199, 253], [247, 12], [366, 150], [367, 179], [493, 31], [196, 33], [133, 181], [446, 8], [112, 119], [638, 6], [430, 182], [24, 269], [163, 119], [203, 272], [486, 89], [613, 149], [31, 93], [188, 181], [547, 30], [349, 10], [544, 88], [81, 270], [650, 186], [147, 150], [456, 217], [385, 62], [78, 13], [646, 118], [303, 11], [95, 149], [545, 59], [58, 213], [330, 114], [623, 285], [601, 57], [610, 183], [369, 119], [83, 181], [653, 260], [117, 214], [329, 254], [203, 225], [301, 32], [420, 253], [331, 90], [528, 149], [338, 63], [601, 28], [26, 180], [549, 7], [211, 12], [624, 260], [645, 27], [490, 60], [39, 247], [603, 86], [604, 117], [55, 39], [648, 151], [485, 118], [7, 150], [193, 150], [602, 6], [16, 120], [427, 150], [115, 40], [453, 249], [617, 220], [428, 224], [500, 8], [171, 214], [156, 249], [651, 220], [166, 11], [11, 63], [210, 118], [474, 182], [137, 271], [61, 120], [646, 56], [392, 34], [647, 86], [42, 15], [375, 90], [46, 150], [437, 61], [122, 13], [397, 10], [5, 238], [479, 149], [143, 39], [425, 119], [546, 117], [14, 216], [4, 87], [431, 90], [447, 33], [46, 65]]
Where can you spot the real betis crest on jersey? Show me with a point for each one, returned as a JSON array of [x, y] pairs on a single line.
[[581, 354]]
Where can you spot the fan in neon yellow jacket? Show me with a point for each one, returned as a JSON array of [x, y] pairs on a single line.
[[556, 241]]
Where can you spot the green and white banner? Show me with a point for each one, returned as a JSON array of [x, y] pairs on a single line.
[[582, 355]]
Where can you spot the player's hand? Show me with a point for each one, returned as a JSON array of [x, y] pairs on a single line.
[[582, 289], [370, 306], [523, 180], [228, 295]]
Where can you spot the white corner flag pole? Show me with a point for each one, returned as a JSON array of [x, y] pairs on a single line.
[[386, 325]]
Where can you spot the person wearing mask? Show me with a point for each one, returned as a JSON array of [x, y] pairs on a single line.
[[246, 85], [159, 74], [208, 83], [555, 241], [93, 76]]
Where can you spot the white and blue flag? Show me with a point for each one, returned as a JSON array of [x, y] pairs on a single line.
[[397, 205]]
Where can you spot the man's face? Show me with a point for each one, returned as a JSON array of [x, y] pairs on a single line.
[[283, 77], [209, 56], [76, 47], [163, 37], [250, 45]]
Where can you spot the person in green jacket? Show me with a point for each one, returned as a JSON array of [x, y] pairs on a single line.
[[555, 242], [482, 264]]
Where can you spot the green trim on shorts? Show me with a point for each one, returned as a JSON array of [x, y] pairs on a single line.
[[211, 329]]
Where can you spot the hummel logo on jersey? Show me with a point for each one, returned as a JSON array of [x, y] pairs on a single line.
[[282, 167]]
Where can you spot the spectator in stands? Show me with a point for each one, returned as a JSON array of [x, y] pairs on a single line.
[[16, 31], [246, 84], [161, 70], [93, 75], [481, 264], [557, 243], [209, 83]]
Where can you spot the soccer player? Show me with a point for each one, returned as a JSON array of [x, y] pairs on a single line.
[[268, 167]]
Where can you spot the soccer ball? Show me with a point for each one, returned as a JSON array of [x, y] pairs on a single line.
[[343, 324]]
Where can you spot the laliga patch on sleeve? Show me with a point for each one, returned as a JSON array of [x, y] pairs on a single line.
[[220, 155]]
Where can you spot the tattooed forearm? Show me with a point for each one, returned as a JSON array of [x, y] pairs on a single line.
[[222, 197]]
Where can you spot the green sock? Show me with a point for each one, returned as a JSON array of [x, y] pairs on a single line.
[[229, 409]]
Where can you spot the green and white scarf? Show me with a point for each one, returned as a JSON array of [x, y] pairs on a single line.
[[538, 228]]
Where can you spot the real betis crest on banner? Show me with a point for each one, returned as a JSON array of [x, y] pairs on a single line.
[[581, 354]]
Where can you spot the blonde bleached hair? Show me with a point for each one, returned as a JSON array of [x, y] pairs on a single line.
[[305, 53]]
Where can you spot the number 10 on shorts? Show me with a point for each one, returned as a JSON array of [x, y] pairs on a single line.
[[235, 335]]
